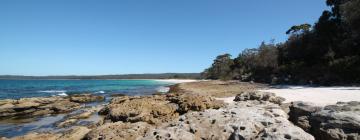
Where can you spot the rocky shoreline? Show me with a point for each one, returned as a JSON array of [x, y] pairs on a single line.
[[39, 106], [186, 113]]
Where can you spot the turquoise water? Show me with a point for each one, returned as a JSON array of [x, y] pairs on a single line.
[[15, 89]]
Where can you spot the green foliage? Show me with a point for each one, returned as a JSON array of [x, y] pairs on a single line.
[[298, 29], [257, 64], [220, 69], [326, 53], [351, 12]]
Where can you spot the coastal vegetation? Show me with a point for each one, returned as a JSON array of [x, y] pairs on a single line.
[[325, 53]]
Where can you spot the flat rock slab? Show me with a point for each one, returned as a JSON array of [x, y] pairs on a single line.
[[243, 120]]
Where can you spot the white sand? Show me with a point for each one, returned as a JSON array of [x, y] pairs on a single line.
[[176, 81], [319, 95], [228, 100]]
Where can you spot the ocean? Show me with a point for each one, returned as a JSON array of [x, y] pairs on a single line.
[[15, 89]]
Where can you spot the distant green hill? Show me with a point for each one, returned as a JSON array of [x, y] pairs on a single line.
[[124, 76]]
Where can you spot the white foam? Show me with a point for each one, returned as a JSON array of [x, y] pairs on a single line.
[[62, 94], [163, 89], [101, 92], [53, 91]]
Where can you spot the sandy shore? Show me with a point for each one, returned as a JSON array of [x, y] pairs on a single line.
[[319, 95], [191, 106], [176, 81]]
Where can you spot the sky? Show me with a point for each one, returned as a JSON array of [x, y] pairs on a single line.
[[96, 37]]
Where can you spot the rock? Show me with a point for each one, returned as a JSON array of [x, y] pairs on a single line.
[[62, 106], [86, 98], [42, 112], [83, 115], [37, 106], [79, 115], [76, 133], [38, 136], [333, 122], [158, 93], [156, 109], [300, 112], [6, 106], [243, 120], [151, 109], [259, 96], [215, 88], [119, 131], [7, 110], [67, 122], [337, 122], [193, 102], [7, 101], [104, 111], [25, 105], [117, 95]]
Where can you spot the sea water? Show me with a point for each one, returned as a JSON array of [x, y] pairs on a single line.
[[15, 89]]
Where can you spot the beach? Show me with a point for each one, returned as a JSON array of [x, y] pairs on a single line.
[[321, 96], [176, 81], [193, 109]]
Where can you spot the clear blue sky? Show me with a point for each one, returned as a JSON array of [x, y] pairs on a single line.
[[91, 37]]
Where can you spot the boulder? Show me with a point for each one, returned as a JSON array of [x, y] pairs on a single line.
[[300, 112], [150, 109], [243, 120], [332, 122], [337, 122], [259, 96], [193, 102], [119, 131], [156, 109]]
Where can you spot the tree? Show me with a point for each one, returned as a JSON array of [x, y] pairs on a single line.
[[257, 64], [351, 13], [326, 53], [299, 29], [220, 69]]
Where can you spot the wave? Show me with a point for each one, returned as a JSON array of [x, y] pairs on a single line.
[[101, 92], [57, 92], [163, 89], [53, 91], [62, 94]]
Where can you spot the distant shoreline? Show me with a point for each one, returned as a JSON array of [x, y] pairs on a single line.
[[162, 80], [106, 77]]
